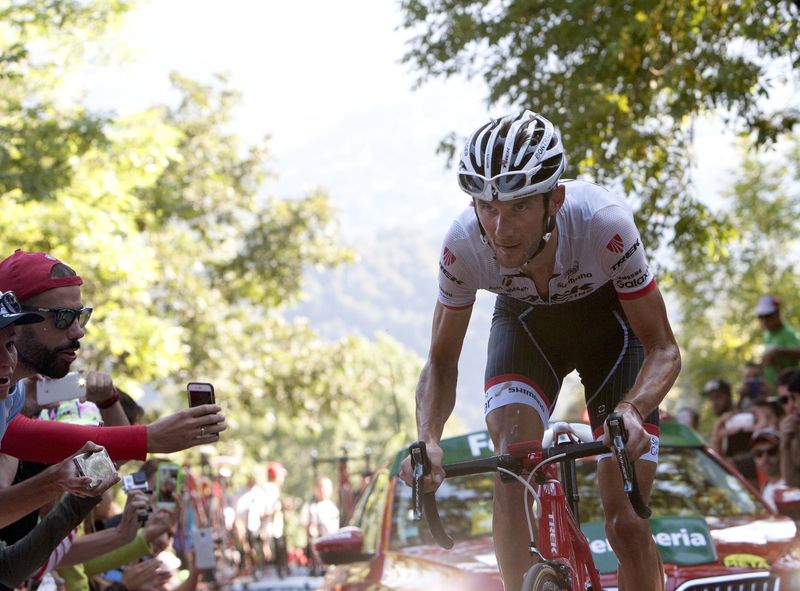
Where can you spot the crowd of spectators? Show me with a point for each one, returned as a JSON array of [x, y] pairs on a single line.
[[756, 424], [61, 528]]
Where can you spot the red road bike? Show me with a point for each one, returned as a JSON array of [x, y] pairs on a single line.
[[565, 560]]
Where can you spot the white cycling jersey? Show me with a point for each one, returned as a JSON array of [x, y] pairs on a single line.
[[597, 242]]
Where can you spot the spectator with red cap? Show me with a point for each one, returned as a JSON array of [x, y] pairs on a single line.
[[782, 342], [52, 289], [19, 560]]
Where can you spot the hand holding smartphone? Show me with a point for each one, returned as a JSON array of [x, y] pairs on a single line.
[[200, 393], [70, 387]]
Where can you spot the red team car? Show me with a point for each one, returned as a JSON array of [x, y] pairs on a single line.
[[713, 530]]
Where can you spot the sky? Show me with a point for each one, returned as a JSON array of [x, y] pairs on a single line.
[[325, 81]]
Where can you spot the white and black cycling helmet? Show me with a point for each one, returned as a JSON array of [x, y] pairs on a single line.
[[512, 157]]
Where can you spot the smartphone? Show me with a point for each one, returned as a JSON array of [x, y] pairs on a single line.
[[200, 393], [96, 465], [71, 386], [169, 481], [203, 542]]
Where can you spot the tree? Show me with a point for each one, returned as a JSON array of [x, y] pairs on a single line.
[[623, 80], [758, 255], [187, 260]]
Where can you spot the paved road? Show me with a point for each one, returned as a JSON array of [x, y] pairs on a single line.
[[295, 583]]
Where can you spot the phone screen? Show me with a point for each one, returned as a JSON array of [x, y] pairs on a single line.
[[200, 393], [169, 481]]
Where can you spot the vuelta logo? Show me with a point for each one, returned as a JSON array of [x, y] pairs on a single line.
[[615, 244], [448, 258]]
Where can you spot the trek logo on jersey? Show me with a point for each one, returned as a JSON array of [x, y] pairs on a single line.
[[615, 244], [449, 275], [448, 258], [626, 256]]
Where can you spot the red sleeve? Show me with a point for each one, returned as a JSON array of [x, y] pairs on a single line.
[[50, 441]]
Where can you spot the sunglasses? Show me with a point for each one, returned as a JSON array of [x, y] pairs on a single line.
[[770, 451], [784, 400], [9, 304], [64, 317], [507, 185]]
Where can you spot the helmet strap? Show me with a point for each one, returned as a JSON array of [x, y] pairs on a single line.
[[548, 225]]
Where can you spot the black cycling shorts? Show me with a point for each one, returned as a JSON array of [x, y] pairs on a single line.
[[532, 349]]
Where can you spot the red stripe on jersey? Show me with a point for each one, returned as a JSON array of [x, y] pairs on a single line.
[[515, 377], [458, 307], [637, 294]]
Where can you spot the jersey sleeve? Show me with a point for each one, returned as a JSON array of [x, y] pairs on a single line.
[[622, 256], [457, 273], [50, 441]]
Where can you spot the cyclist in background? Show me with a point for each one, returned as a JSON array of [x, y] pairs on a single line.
[[574, 292]]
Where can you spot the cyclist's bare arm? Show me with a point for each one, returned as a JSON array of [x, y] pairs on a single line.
[[648, 319], [436, 389]]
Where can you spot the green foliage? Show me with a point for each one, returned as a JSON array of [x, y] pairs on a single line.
[[760, 253], [623, 80], [188, 262]]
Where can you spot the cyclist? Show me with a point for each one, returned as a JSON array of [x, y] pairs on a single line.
[[574, 292]]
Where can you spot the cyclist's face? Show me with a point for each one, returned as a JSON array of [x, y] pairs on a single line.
[[513, 228]]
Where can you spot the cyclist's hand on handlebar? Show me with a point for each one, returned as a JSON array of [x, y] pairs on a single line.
[[431, 481], [638, 442]]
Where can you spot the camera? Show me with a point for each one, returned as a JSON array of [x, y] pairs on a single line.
[[136, 481], [96, 465]]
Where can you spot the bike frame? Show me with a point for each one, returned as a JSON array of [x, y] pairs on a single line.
[[560, 539]]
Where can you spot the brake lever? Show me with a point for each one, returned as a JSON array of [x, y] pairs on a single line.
[[619, 435], [420, 467]]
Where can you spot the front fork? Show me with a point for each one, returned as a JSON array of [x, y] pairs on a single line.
[[561, 541]]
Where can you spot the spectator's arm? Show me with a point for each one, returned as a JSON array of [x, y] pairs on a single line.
[[50, 441], [95, 544], [190, 584], [119, 557], [20, 560], [775, 355], [101, 391], [718, 433], [8, 470], [20, 499], [790, 449]]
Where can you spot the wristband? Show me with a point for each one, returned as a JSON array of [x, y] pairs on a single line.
[[634, 407], [108, 403]]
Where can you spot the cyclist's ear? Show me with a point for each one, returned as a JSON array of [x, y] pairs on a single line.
[[557, 199]]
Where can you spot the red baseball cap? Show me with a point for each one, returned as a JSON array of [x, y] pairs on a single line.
[[30, 273]]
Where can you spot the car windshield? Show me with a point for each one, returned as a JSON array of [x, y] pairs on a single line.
[[689, 483]]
